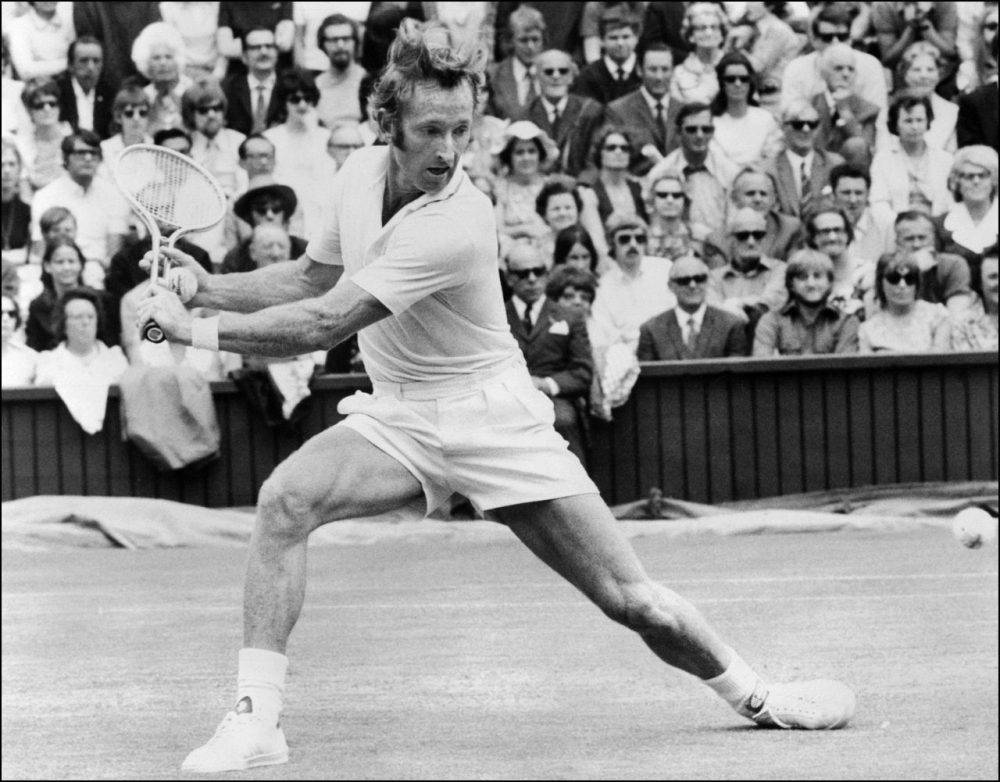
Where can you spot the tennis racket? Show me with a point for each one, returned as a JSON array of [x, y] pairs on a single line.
[[172, 195]]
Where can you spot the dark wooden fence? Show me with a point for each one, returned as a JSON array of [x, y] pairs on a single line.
[[707, 431]]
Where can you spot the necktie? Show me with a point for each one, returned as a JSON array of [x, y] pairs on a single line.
[[621, 74], [692, 334], [527, 319], [806, 190], [556, 116], [659, 118], [528, 92], [259, 110]]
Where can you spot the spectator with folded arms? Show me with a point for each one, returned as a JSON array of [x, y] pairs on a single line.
[[672, 234], [847, 121], [828, 229]]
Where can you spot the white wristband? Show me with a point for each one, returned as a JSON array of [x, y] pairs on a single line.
[[205, 333]]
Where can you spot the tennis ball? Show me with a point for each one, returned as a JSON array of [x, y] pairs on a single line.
[[182, 282], [973, 527]]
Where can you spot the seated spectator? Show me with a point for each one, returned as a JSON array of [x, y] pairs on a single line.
[[648, 112], [979, 58], [847, 122], [213, 145], [129, 124], [57, 225], [909, 173], [62, 271], [571, 121], [708, 174], [573, 287], [871, 224], [39, 39], [828, 229], [14, 119], [41, 148], [253, 100], [17, 361], [944, 277], [158, 54], [809, 323], [553, 339], [693, 329], [671, 232], [751, 283], [345, 137], [919, 72], [615, 188], [704, 28], [904, 323], [80, 357], [86, 98], [756, 188], [116, 26], [976, 329], [615, 74], [257, 158], [16, 217], [521, 153], [272, 204], [562, 203], [101, 212], [237, 42], [899, 25], [198, 25], [339, 86], [802, 170], [971, 223], [513, 82], [575, 248], [747, 133], [769, 43]]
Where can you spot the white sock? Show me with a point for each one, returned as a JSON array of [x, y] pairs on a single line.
[[739, 686], [262, 679]]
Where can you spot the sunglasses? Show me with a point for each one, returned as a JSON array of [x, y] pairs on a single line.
[[338, 39], [555, 71], [769, 89], [44, 104], [297, 98], [136, 111], [251, 47], [624, 239], [617, 148], [697, 279], [803, 124], [894, 278], [991, 26], [205, 109], [734, 79], [86, 152], [674, 194], [743, 236], [973, 176], [705, 130], [268, 209], [523, 274], [831, 37]]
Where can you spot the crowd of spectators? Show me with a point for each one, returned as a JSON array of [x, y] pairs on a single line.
[[672, 181]]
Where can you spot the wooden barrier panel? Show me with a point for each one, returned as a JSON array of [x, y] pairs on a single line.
[[707, 431]]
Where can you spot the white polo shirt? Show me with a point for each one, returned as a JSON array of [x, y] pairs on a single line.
[[433, 265]]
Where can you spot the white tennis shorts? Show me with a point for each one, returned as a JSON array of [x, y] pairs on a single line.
[[488, 437]]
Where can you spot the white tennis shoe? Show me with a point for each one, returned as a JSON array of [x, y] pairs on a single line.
[[821, 704], [243, 740]]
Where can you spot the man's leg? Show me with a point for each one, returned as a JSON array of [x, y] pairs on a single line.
[[336, 475], [579, 538]]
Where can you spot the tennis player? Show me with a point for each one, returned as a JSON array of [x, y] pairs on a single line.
[[409, 262]]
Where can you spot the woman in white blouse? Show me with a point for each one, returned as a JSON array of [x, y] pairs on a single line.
[[747, 133], [919, 71], [159, 55], [705, 27], [903, 323], [972, 221]]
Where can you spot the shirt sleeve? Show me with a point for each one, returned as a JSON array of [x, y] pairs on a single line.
[[325, 248], [425, 255]]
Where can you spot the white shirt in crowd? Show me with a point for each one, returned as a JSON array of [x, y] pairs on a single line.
[[625, 301], [38, 46], [100, 212]]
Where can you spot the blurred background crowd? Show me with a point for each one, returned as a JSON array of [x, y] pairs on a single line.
[[672, 181]]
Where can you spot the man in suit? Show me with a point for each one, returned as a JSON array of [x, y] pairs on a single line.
[[553, 339], [85, 101], [756, 188], [692, 329], [979, 115], [614, 75], [802, 171], [569, 120], [648, 112], [253, 100], [513, 82]]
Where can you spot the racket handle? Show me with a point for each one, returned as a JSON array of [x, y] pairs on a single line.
[[152, 332]]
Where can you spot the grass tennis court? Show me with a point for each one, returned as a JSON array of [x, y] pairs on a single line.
[[467, 658]]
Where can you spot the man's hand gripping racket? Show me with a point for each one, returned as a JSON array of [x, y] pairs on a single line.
[[170, 193]]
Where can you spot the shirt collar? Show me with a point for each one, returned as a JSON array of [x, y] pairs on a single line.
[[699, 316], [520, 69], [613, 67], [78, 90], [267, 83], [560, 106], [520, 305], [796, 159], [791, 307], [651, 101], [763, 265]]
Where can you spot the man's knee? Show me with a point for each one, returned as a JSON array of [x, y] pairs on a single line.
[[292, 508], [644, 607]]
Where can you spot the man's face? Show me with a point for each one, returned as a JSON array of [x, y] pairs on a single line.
[[338, 43], [88, 59], [630, 246], [914, 235], [696, 132], [260, 51], [828, 32], [800, 130], [435, 125], [527, 45], [527, 273], [81, 323], [555, 74], [747, 232], [342, 143], [755, 191], [163, 64], [852, 194], [269, 247], [689, 282], [911, 123], [811, 286], [991, 281], [830, 234], [209, 117], [576, 300], [259, 158], [619, 43], [82, 162], [657, 68]]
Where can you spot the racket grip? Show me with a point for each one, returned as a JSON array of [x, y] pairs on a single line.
[[152, 332]]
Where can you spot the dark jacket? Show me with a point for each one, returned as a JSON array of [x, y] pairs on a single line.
[[40, 328], [577, 126], [104, 100], [557, 347], [722, 334], [632, 112], [979, 117], [238, 259], [239, 114], [596, 82]]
